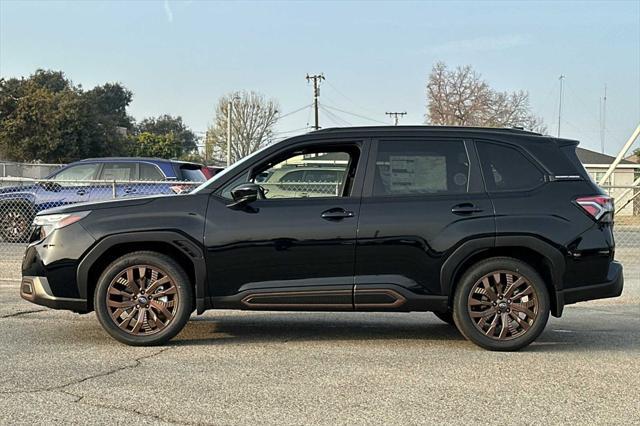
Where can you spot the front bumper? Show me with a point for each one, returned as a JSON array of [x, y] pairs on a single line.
[[610, 288], [36, 290]]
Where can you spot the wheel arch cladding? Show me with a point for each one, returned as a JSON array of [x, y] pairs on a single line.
[[181, 248], [543, 257]]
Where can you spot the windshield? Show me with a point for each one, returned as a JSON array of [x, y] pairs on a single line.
[[235, 166]]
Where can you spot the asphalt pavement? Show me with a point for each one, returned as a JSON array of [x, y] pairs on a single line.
[[231, 367]]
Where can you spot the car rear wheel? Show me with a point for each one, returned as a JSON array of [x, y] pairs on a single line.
[[15, 223], [143, 298], [501, 304]]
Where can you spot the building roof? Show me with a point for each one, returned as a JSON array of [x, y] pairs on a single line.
[[633, 158], [586, 156]]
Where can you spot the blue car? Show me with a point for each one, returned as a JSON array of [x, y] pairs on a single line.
[[72, 184]]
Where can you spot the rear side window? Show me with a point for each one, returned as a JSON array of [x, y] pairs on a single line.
[[119, 171], [507, 169], [421, 167]]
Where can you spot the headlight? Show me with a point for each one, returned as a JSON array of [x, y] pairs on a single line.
[[50, 222]]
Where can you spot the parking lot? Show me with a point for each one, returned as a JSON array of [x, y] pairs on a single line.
[[327, 368]]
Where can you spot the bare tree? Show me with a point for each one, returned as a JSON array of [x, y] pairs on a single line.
[[252, 122], [461, 97]]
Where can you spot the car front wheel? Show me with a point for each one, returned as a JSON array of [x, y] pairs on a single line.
[[143, 298], [15, 223], [501, 304]]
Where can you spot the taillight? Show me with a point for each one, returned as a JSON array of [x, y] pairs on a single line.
[[179, 189], [597, 206]]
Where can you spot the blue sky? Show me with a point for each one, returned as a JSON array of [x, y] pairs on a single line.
[[178, 57]]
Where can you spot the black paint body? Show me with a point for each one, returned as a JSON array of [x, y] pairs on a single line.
[[398, 253]]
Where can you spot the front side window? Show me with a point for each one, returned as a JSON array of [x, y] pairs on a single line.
[[416, 167], [311, 172], [506, 168], [302, 175], [81, 172]]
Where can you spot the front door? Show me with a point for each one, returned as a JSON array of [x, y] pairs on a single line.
[[295, 247]]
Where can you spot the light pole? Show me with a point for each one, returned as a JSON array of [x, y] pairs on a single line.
[[229, 116]]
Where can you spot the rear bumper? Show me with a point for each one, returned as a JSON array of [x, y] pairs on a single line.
[[36, 290], [610, 288]]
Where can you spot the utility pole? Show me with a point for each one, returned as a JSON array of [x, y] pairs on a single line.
[[317, 78], [561, 78], [603, 118], [395, 116], [229, 117], [229, 109]]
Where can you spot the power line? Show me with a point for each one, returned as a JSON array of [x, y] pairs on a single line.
[[294, 111], [317, 78], [292, 131], [336, 119], [396, 116], [354, 114], [354, 103]]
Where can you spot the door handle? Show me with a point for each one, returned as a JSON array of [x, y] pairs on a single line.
[[81, 192], [129, 190], [465, 208], [336, 214]]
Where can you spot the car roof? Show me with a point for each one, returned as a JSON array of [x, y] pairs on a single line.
[[512, 135], [126, 159], [423, 128]]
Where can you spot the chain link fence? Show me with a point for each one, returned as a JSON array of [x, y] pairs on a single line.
[[21, 199]]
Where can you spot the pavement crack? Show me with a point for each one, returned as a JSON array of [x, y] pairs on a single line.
[[17, 314], [156, 417], [136, 363]]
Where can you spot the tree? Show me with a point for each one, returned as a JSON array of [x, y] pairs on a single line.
[[251, 125], [147, 144], [164, 136], [461, 97], [46, 118]]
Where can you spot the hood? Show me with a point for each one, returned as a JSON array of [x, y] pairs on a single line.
[[12, 189], [100, 205]]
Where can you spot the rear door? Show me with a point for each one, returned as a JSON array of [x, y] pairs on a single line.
[[116, 177], [422, 199]]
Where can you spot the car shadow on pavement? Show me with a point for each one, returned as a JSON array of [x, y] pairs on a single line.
[[275, 327], [284, 328]]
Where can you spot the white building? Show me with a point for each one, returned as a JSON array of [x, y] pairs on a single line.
[[623, 176]]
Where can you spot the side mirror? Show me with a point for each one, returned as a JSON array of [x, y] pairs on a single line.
[[51, 186], [245, 194]]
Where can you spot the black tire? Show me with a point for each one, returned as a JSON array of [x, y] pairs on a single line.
[[445, 317], [531, 297], [156, 328], [15, 222]]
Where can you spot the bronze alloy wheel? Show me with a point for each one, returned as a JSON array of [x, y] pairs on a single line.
[[142, 300], [503, 305], [15, 225]]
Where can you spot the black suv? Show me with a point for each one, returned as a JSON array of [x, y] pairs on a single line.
[[490, 229]]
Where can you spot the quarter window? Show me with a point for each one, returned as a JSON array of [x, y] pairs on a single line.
[[421, 167], [150, 172], [507, 169]]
